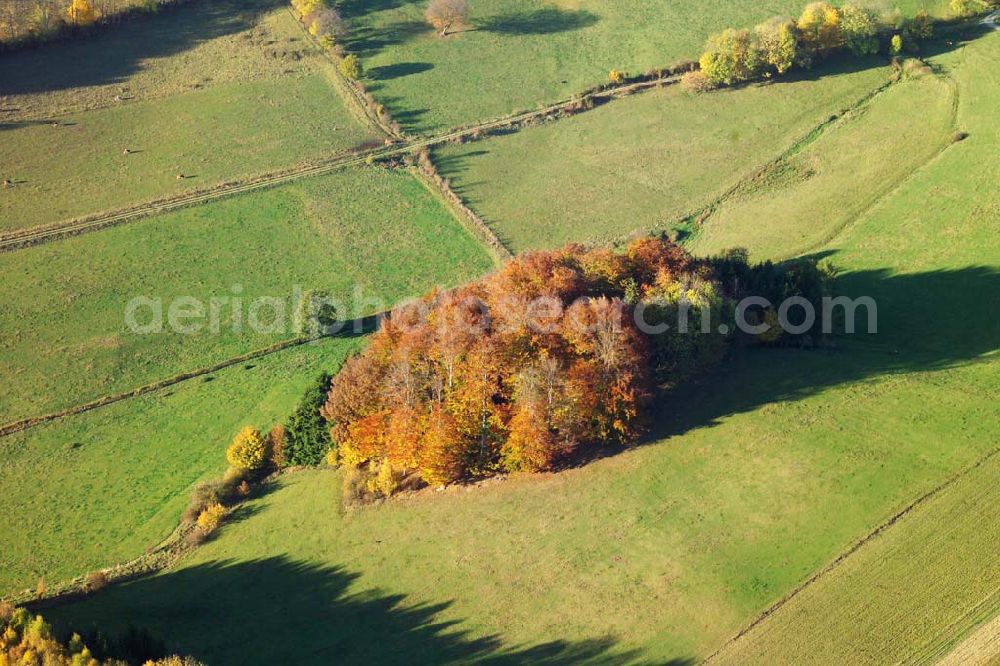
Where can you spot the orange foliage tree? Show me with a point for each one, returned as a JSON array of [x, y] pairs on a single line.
[[524, 368]]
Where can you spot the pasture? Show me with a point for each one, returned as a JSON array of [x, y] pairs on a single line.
[[751, 481], [64, 335], [96, 489], [518, 54], [202, 94], [642, 162]]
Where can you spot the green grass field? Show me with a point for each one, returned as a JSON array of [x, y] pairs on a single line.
[[639, 163], [521, 53], [210, 91], [752, 481], [63, 332], [941, 545], [97, 489], [875, 150]]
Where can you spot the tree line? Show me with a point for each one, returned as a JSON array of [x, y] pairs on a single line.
[[780, 44], [32, 21]]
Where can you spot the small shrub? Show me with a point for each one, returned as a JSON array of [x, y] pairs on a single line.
[[243, 490], [355, 487], [696, 82], [248, 451], [6, 611], [195, 538], [95, 580], [276, 446], [387, 480], [350, 67], [914, 67], [616, 77], [210, 518], [332, 458], [204, 494], [966, 8], [896, 45]]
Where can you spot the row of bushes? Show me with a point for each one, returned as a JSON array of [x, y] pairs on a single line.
[[28, 640], [781, 44]]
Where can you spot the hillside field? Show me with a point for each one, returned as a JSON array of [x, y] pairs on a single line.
[[207, 91], [519, 54], [754, 478], [941, 544], [96, 489], [643, 162], [752, 481], [63, 331]]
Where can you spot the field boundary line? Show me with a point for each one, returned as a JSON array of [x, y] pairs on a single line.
[[701, 215], [467, 217], [360, 324], [858, 545], [343, 84], [23, 238], [894, 187]]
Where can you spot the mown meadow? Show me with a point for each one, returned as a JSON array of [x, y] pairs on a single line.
[[641, 163], [752, 478]]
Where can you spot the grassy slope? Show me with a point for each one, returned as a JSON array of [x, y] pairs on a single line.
[[641, 162], [231, 92], [525, 52], [96, 489], [753, 481], [898, 133], [64, 341], [945, 217]]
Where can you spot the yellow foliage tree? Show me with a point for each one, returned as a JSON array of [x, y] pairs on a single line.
[[210, 517], [248, 452], [80, 12], [820, 27]]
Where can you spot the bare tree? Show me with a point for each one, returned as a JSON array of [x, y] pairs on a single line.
[[444, 14]]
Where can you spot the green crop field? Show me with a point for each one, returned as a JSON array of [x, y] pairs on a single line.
[[941, 545], [642, 162], [96, 489], [750, 484], [210, 92], [521, 53], [65, 339]]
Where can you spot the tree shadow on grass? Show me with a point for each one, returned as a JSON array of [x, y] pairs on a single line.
[[398, 70], [112, 56], [280, 611], [545, 21], [369, 41], [926, 322]]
